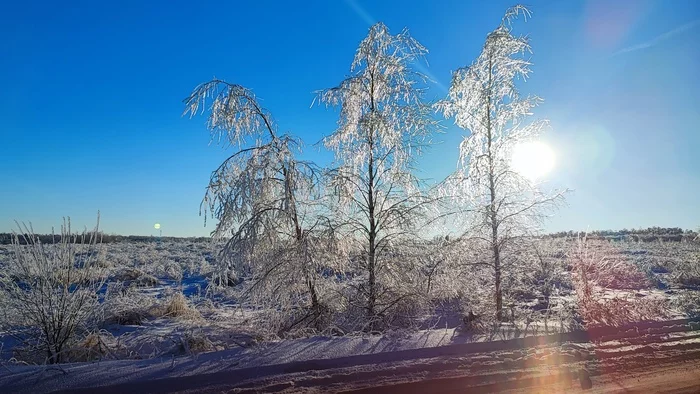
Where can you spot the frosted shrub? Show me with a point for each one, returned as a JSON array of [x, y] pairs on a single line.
[[596, 307], [178, 306], [126, 306], [50, 291]]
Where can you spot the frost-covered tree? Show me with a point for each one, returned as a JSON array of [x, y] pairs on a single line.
[[382, 127], [266, 201], [484, 99]]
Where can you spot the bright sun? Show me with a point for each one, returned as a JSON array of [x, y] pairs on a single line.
[[533, 160]]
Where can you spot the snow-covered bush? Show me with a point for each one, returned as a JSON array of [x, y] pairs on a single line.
[[177, 306], [687, 272], [688, 303], [596, 305], [124, 305], [605, 268], [50, 292]]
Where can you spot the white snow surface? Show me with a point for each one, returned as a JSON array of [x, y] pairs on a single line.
[[36, 379]]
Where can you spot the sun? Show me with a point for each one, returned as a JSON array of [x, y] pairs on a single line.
[[533, 159]]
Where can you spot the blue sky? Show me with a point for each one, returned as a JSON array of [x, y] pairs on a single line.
[[91, 103]]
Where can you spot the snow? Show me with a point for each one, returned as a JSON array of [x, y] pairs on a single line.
[[424, 350], [392, 346], [271, 353]]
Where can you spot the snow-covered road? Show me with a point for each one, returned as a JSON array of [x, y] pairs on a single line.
[[339, 364]]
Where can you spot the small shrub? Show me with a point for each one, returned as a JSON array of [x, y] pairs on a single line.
[[51, 292], [689, 280], [658, 269], [92, 347], [178, 306], [617, 274], [146, 281], [128, 317], [617, 311], [688, 303], [604, 269], [171, 270], [471, 322], [591, 276], [206, 305], [127, 274], [656, 281], [135, 277], [125, 306], [192, 343]]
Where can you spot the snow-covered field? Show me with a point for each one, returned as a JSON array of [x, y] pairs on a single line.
[[390, 363], [170, 311], [145, 280]]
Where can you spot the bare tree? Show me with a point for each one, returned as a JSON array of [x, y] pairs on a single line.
[[266, 200], [484, 99], [382, 127], [50, 291]]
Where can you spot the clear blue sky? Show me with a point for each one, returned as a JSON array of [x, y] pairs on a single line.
[[91, 99]]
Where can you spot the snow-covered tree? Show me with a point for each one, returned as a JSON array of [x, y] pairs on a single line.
[[383, 125], [484, 99], [266, 202]]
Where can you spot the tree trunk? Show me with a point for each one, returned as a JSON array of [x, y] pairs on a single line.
[[497, 277], [315, 304], [493, 214], [372, 236], [299, 235], [495, 246], [371, 258]]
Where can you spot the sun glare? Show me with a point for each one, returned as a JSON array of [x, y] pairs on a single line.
[[533, 160]]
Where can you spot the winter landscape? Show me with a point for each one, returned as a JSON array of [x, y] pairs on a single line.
[[171, 309], [357, 272]]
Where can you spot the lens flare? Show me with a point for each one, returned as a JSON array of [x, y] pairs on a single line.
[[533, 160]]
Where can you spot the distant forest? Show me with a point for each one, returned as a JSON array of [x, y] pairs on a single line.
[[6, 238], [650, 234]]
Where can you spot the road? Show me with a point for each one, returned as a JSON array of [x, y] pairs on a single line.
[[646, 358], [659, 357]]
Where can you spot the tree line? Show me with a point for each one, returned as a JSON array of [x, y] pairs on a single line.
[[24, 238], [649, 234]]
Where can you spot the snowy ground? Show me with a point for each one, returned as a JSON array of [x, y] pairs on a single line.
[[393, 346], [221, 335], [341, 363]]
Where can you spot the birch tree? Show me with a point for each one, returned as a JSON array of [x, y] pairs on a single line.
[[485, 101], [382, 126], [265, 200]]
